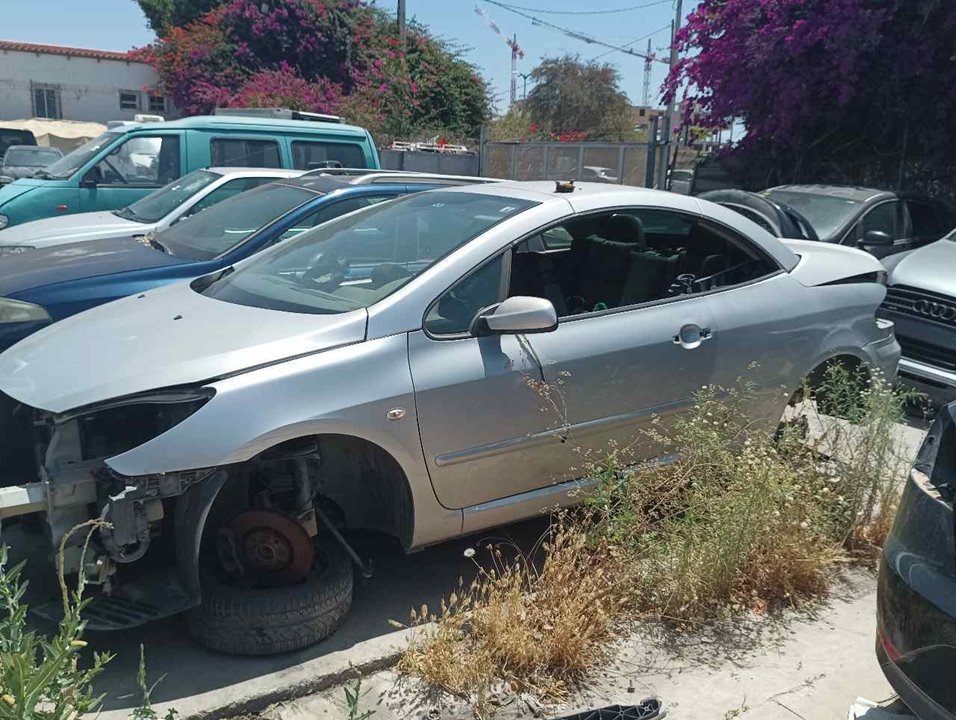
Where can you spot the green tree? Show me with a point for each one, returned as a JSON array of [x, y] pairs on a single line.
[[165, 14], [575, 96]]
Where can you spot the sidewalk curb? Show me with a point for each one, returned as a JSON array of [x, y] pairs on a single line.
[[310, 677]]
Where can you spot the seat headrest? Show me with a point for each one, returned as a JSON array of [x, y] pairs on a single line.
[[625, 229]]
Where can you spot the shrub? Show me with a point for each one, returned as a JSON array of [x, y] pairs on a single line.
[[735, 517]]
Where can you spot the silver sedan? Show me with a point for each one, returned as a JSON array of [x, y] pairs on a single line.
[[386, 371]]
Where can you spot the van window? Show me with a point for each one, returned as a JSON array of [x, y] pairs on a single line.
[[141, 160], [310, 155], [244, 153]]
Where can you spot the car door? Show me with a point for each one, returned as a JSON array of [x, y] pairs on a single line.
[[485, 426], [887, 218], [131, 170]]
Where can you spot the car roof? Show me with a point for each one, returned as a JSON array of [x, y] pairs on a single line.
[[255, 172], [845, 192], [545, 190], [239, 122]]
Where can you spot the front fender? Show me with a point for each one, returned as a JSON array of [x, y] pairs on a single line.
[[346, 391]]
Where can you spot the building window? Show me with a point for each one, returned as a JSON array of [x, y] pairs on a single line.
[[129, 100], [46, 102], [157, 104]]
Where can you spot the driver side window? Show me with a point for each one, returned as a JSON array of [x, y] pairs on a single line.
[[453, 312], [141, 160]]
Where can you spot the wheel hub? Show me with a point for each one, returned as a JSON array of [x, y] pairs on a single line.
[[273, 548]]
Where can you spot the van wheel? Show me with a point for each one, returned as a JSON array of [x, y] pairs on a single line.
[[267, 621]]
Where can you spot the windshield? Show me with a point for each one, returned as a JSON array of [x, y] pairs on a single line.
[[30, 157], [224, 225], [825, 213], [359, 259], [73, 161], [159, 204]]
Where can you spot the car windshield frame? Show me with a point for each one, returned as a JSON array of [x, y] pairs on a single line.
[[826, 225], [160, 203], [74, 161], [179, 240], [438, 222], [9, 157]]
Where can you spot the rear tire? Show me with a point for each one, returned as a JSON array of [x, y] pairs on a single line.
[[267, 621]]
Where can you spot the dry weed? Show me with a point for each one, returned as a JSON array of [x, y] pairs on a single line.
[[734, 518]]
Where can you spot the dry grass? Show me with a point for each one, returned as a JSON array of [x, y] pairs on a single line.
[[739, 519], [536, 630]]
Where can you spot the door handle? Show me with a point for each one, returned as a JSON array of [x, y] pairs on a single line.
[[692, 336]]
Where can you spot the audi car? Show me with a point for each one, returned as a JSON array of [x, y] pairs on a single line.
[[921, 300]]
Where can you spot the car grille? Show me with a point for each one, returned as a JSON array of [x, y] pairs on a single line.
[[928, 353], [931, 307]]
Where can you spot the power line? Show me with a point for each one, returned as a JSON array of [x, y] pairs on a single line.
[[635, 40], [572, 33], [543, 11]]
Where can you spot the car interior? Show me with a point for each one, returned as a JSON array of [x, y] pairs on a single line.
[[606, 261]]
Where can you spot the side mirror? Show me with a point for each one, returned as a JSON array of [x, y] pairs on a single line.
[[516, 315], [877, 238], [92, 178]]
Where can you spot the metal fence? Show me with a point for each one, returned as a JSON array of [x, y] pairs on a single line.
[[429, 162], [625, 163]]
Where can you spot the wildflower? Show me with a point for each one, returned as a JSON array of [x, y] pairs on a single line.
[[469, 552], [9, 700]]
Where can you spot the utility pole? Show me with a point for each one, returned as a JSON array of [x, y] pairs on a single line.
[[524, 89], [671, 106], [514, 69], [401, 23]]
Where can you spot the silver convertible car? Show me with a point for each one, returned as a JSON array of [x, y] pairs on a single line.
[[383, 371]]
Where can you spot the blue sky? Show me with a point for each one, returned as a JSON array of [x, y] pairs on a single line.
[[120, 25]]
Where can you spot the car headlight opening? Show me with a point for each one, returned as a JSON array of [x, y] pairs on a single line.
[[16, 311], [4, 221]]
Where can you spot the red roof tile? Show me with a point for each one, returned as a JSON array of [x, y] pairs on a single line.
[[63, 50]]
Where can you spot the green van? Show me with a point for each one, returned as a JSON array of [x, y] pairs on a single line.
[[129, 161]]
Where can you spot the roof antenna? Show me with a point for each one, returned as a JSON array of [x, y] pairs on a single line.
[[566, 186]]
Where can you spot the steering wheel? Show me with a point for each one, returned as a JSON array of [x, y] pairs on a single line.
[[337, 268]]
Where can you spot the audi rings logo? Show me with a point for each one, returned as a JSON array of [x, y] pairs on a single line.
[[935, 310]]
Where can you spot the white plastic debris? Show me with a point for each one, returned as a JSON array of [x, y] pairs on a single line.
[[863, 709]]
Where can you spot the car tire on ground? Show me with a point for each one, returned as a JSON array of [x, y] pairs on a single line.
[[242, 621]]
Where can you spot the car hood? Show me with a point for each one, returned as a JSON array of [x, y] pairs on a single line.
[[56, 230], [15, 190], [167, 337], [77, 261], [929, 268]]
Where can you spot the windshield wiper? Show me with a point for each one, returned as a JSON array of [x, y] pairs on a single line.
[[42, 174], [127, 213]]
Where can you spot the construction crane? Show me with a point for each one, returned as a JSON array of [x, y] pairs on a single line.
[[512, 42], [648, 62]]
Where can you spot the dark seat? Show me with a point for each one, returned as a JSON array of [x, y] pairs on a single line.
[[600, 264], [650, 275]]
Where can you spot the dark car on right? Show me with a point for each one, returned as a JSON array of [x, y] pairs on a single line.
[[916, 597], [879, 221]]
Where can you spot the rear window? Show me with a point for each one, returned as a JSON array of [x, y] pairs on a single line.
[[311, 155], [244, 153]]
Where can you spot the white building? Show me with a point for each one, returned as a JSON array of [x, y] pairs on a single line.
[[52, 81]]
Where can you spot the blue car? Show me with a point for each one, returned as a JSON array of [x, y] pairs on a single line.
[[46, 285]]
